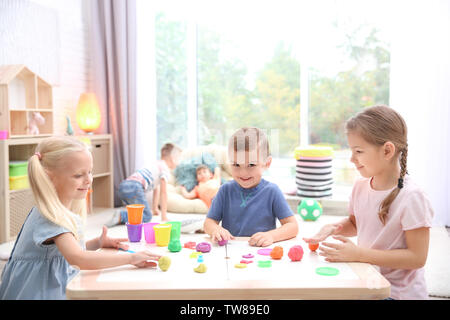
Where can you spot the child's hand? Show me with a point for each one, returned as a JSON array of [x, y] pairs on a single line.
[[107, 242], [141, 259], [339, 252], [325, 232], [221, 234], [260, 239]]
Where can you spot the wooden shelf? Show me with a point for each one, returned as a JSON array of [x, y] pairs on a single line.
[[16, 204]]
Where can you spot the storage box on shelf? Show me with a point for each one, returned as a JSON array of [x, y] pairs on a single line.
[[16, 204], [22, 94]]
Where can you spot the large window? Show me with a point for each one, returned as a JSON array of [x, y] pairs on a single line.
[[291, 68]]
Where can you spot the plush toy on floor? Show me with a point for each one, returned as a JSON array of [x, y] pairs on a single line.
[[36, 119], [309, 209]]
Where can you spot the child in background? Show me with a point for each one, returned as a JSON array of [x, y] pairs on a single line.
[[388, 212], [133, 190], [208, 185], [248, 206], [50, 247]]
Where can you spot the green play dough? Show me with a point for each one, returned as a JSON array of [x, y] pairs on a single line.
[[327, 271], [264, 264]]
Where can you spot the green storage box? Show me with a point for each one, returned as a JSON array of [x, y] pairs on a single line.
[[18, 168]]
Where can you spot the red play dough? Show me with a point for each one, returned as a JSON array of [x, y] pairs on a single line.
[[296, 253], [313, 246], [190, 245], [277, 253]]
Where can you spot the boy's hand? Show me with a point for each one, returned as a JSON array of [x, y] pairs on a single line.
[[141, 259], [220, 233], [325, 232], [107, 242], [261, 239]]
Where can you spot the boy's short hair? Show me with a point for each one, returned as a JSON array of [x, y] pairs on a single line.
[[253, 140], [202, 167], [167, 149]]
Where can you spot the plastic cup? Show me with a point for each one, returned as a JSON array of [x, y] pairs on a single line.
[[149, 232], [135, 212], [162, 234], [134, 232], [175, 231]]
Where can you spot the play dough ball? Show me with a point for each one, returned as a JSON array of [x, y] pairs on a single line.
[[296, 253], [277, 253], [201, 268], [223, 242], [203, 247], [313, 246], [309, 209], [164, 263]]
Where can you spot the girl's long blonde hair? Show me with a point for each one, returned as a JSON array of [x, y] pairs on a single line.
[[49, 154], [377, 125]]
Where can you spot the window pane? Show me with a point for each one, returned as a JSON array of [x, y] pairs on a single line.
[[171, 77]]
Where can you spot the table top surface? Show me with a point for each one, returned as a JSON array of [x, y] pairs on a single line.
[[285, 279]]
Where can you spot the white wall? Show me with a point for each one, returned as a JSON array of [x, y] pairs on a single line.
[[51, 38]]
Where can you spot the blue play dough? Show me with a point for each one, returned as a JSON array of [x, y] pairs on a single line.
[[185, 172]]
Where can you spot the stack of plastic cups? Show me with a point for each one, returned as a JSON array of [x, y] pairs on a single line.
[[175, 243], [314, 171], [134, 224]]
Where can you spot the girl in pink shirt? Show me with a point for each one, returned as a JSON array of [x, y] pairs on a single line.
[[388, 212]]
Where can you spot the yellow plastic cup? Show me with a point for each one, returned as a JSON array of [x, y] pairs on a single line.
[[162, 234], [135, 212]]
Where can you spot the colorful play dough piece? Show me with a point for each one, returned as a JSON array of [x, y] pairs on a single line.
[[264, 264], [164, 263], [222, 242], [296, 253], [248, 256], [277, 253], [189, 245], [327, 271], [313, 246], [264, 252], [203, 247], [246, 261], [240, 265], [174, 245], [201, 268], [195, 254]]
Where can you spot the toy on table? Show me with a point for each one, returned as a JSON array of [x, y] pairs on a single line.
[[246, 261], [195, 254], [327, 271], [296, 253], [174, 243], [248, 256], [200, 258], [265, 251], [190, 245], [277, 253], [201, 268], [222, 242], [309, 209], [240, 265], [164, 263], [313, 246], [264, 264], [203, 247]]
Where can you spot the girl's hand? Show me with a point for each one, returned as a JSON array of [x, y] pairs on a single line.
[[325, 232], [260, 239], [221, 234], [142, 259], [346, 251], [107, 242]]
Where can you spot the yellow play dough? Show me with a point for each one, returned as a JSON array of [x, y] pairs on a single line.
[[164, 263], [201, 268], [240, 265], [313, 151]]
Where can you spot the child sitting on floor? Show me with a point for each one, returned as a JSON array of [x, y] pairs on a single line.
[[208, 185]]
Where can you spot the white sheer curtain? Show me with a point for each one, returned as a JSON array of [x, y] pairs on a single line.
[[420, 90], [146, 85]]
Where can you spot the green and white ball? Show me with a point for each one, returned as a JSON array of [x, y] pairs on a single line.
[[309, 209]]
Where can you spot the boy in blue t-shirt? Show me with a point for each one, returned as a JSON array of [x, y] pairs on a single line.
[[248, 206]]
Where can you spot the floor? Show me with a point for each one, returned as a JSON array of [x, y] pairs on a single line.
[[95, 222]]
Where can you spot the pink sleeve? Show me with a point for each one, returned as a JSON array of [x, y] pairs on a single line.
[[417, 212]]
